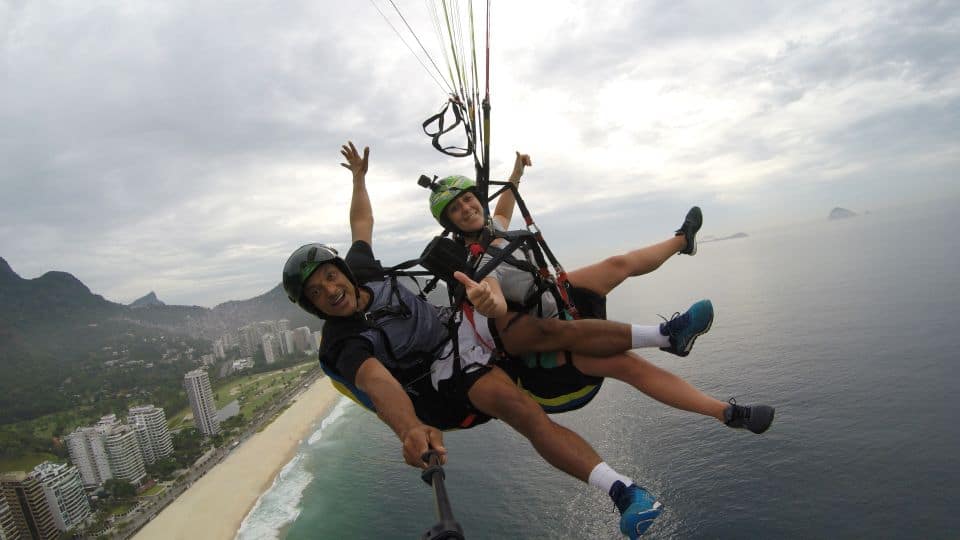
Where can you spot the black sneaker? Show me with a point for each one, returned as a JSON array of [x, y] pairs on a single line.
[[691, 224], [756, 418]]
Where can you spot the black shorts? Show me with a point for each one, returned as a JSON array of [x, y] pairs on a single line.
[[449, 407], [560, 388]]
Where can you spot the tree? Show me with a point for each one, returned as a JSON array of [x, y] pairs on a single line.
[[120, 489]]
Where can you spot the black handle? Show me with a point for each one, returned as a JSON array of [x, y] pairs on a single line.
[[447, 527]]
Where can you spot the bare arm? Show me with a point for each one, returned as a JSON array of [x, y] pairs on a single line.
[[396, 410], [504, 210], [361, 213]]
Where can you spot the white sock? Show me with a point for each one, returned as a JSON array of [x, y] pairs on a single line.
[[648, 336], [603, 477]]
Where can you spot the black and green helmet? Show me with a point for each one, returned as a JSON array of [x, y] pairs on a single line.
[[301, 264]]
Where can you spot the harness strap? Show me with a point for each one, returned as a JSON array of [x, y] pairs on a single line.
[[468, 312], [440, 120]]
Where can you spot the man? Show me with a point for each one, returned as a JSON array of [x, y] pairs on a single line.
[[392, 351]]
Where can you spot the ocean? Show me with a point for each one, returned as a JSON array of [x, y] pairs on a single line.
[[847, 327]]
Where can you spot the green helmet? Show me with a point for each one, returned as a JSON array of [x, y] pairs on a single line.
[[446, 190], [301, 264]]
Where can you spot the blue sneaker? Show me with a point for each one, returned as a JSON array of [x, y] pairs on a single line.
[[638, 508], [756, 418], [691, 225], [684, 329]]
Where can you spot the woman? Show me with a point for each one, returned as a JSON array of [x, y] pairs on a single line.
[[455, 204]]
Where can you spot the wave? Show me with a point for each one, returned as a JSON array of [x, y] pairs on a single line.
[[279, 506], [338, 411]]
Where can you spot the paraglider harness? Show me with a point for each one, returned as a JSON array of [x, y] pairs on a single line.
[[441, 258], [412, 370]]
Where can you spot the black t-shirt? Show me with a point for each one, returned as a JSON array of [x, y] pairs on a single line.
[[401, 329], [351, 352]]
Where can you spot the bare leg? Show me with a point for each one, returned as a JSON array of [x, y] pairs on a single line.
[[595, 337], [603, 276], [496, 395], [653, 381]]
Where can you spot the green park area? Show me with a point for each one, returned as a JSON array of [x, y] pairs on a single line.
[[26, 462], [26, 444], [253, 392]]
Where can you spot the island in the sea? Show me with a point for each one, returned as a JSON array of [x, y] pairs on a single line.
[[841, 213], [707, 239]]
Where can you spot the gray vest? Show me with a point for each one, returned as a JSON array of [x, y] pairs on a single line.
[[404, 329]]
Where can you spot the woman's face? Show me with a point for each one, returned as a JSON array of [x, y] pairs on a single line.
[[465, 212]]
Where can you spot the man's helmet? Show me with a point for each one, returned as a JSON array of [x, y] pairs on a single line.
[[443, 192], [301, 264]]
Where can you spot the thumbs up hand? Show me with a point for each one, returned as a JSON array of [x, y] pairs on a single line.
[[486, 299]]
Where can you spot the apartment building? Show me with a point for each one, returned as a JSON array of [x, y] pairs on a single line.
[[85, 446], [28, 505], [150, 424], [200, 395], [63, 489]]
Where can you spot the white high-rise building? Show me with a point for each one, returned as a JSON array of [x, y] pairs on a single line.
[[267, 327], [63, 489], [268, 348], [197, 384], [303, 339], [218, 352], [153, 436], [32, 515], [8, 527], [283, 325], [317, 338], [229, 340], [287, 345], [90, 457], [107, 421], [249, 339], [123, 453]]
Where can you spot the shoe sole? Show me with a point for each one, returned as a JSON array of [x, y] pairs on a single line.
[[693, 339], [643, 525], [693, 250], [773, 413]]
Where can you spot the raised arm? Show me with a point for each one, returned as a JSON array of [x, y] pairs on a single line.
[[504, 210], [361, 213], [396, 410]]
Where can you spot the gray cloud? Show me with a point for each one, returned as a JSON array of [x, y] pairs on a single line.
[[187, 148]]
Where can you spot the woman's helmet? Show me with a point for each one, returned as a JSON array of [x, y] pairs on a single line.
[[443, 192], [301, 264]]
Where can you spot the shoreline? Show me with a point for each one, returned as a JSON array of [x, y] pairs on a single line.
[[215, 506]]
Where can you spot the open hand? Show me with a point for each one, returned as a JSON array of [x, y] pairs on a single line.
[[356, 164], [481, 295]]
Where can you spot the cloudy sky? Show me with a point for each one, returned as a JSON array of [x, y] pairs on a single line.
[[188, 147]]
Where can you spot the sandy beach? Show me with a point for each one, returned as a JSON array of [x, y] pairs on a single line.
[[214, 507]]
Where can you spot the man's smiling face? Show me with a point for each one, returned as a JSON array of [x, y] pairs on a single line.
[[330, 291]]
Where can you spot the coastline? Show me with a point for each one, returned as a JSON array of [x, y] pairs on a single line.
[[215, 505]]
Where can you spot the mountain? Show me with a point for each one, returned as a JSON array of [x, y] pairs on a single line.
[[53, 298], [148, 300], [53, 329], [841, 213]]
